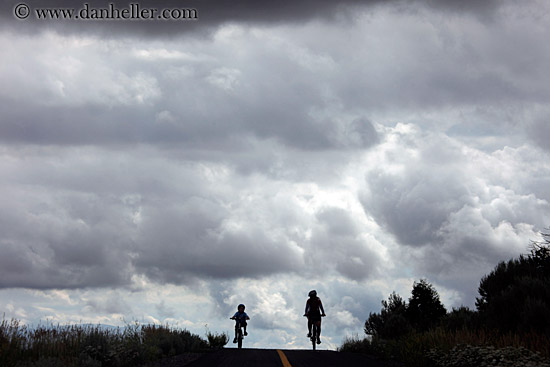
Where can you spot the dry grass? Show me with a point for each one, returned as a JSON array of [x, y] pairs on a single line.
[[85, 345]]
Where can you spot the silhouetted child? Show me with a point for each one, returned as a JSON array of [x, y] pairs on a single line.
[[240, 317]]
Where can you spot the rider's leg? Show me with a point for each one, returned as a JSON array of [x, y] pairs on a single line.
[[309, 324], [245, 325], [318, 332], [236, 330]]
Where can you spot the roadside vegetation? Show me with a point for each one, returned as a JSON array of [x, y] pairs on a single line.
[[96, 346], [509, 327]]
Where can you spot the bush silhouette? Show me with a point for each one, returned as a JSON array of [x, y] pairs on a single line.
[[515, 296], [397, 318]]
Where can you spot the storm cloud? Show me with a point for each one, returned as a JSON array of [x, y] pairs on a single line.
[[168, 171], [208, 15]]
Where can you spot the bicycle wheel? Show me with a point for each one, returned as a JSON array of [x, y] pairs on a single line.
[[314, 336], [240, 338]]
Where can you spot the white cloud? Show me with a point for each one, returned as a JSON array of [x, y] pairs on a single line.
[[457, 210]]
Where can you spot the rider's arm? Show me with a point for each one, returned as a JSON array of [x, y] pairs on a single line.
[[307, 308], [321, 306]]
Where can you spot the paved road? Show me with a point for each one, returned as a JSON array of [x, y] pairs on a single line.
[[284, 358]]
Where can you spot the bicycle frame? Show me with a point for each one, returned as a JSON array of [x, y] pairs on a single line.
[[239, 334], [314, 333]]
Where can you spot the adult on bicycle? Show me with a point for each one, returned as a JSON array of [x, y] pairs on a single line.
[[314, 312]]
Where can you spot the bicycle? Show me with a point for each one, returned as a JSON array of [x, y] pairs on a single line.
[[240, 336], [314, 332]]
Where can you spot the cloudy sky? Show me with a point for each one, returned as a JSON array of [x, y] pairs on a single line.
[[165, 171]]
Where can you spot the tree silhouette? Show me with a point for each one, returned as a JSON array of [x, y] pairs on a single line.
[[397, 318], [391, 322], [515, 296], [425, 309]]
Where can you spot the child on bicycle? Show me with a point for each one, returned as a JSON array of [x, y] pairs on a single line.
[[314, 312], [240, 317]]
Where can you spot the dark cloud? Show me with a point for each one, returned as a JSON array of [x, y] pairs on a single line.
[[113, 303], [539, 130], [166, 96], [212, 14], [462, 6], [26, 267], [414, 200], [105, 224], [164, 310], [180, 244], [76, 242], [115, 216], [62, 125], [337, 242]]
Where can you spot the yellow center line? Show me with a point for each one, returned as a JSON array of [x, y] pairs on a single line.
[[285, 361]]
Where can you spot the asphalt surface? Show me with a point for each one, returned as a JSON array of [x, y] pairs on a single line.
[[295, 358]]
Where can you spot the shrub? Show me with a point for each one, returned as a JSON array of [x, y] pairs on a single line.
[[515, 296], [217, 341], [460, 318], [88, 346], [391, 322], [355, 345]]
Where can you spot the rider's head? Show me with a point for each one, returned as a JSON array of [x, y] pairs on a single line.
[[313, 293], [241, 307]]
